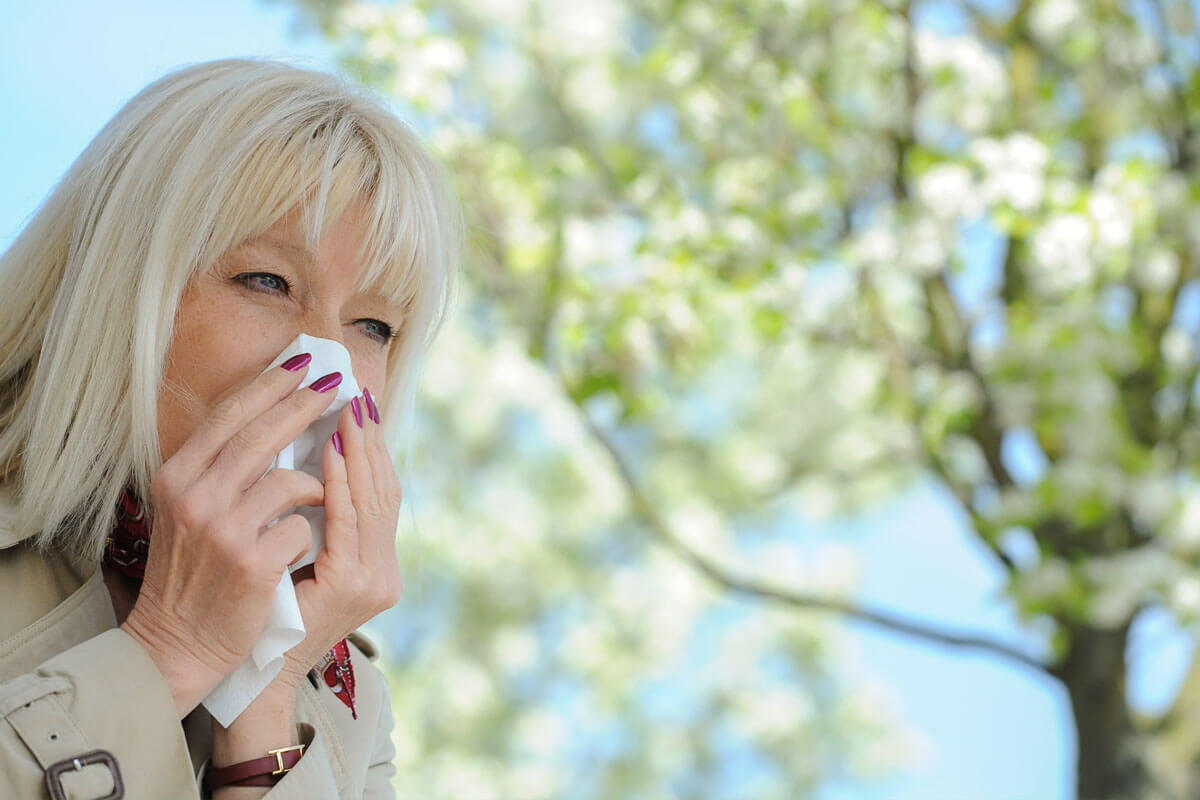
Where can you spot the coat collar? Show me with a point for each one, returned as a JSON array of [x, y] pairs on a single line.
[[9, 537], [80, 608], [10, 534]]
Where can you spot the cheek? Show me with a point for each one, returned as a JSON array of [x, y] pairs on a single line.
[[370, 372], [219, 353], [213, 354]]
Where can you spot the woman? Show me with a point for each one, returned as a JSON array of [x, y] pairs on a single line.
[[226, 209]]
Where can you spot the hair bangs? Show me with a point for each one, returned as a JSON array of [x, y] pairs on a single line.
[[398, 218]]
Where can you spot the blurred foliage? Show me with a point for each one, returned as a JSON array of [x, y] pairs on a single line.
[[741, 263]]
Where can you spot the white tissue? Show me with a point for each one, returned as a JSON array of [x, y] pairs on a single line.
[[285, 626]]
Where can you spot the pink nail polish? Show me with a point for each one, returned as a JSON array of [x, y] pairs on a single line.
[[297, 363], [326, 382], [372, 410], [337, 443], [356, 407]]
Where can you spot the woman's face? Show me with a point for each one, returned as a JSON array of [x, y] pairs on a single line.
[[234, 320]]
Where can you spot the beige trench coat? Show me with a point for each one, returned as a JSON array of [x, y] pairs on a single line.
[[71, 682]]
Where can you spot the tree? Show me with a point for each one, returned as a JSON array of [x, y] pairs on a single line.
[[775, 255]]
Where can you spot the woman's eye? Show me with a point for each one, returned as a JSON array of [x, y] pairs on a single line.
[[264, 282], [377, 329]]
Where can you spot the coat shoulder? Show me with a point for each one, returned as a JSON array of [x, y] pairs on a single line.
[[365, 645]]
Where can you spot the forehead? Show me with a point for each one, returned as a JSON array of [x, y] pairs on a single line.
[[341, 239], [338, 250]]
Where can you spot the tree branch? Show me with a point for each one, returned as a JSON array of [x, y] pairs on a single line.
[[900, 367], [949, 344], [1182, 156], [963, 494], [725, 577], [556, 93], [986, 429]]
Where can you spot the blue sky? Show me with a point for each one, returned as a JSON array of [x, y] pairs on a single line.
[[995, 731], [67, 66]]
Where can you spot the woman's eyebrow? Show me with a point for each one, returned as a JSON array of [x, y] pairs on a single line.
[[297, 254]]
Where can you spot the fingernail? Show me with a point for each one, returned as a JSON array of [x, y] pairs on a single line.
[[372, 410], [337, 443], [297, 363], [356, 407], [326, 382]]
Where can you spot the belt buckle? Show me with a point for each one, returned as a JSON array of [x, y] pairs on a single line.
[[55, 771]]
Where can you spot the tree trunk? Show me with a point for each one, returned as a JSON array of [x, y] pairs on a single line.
[[1173, 742], [1109, 761]]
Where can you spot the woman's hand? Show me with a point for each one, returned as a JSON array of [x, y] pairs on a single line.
[[356, 574], [214, 562]]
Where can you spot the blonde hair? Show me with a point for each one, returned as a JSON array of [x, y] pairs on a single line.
[[196, 163]]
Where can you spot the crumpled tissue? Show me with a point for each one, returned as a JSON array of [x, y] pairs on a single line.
[[285, 626]]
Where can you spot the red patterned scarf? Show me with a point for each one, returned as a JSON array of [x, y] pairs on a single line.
[[126, 550]]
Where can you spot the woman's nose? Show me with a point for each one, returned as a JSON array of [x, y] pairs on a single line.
[[325, 326]]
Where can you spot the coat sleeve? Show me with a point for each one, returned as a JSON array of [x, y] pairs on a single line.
[[383, 753], [313, 774], [105, 696], [338, 746]]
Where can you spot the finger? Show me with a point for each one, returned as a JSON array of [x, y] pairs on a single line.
[[369, 399], [376, 453], [232, 413], [250, 451], [286, 541], [279, 491], [387, 486], [341, 520], [358, 474]]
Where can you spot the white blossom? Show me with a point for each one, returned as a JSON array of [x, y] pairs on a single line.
[[772, 711], [965, 459], [461, 776], [603, 247], [593, 91], [1178, 349], [977, 66], [948, 190], [700, 525], [1049, 579], [540, 731], [468, 688], [1184, 597], [1152, 499], [530, 779], [926, 247], [1123, 582], [360, 16], [1051, 20], [1113, 217], [1061, 252], [759, 466], [514, 648], [443, 55], [583, 27], [877, 246], [1013, 170], [1185, 532], [682, 67], [1158, 271]]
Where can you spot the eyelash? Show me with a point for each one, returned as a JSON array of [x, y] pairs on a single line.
[[246, 277], [384, 336]]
